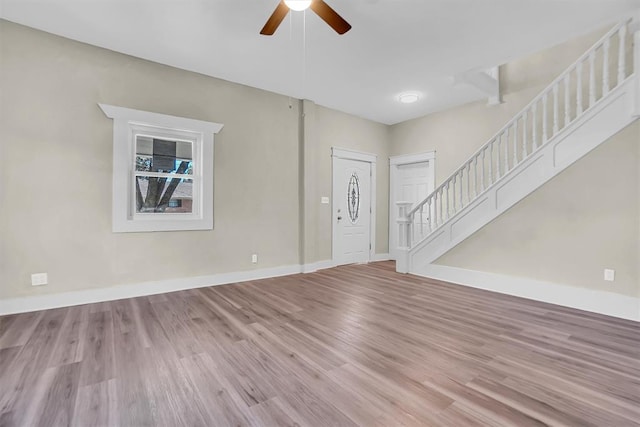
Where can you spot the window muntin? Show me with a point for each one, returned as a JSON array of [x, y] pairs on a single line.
[[164, 175]]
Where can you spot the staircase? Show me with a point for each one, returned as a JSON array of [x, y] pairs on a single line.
[[593, 99]]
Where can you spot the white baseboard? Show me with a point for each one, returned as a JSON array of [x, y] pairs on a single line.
[[327, 263], [381, 257], [88, 296], [319, 265], [602, 302], [67, 299]]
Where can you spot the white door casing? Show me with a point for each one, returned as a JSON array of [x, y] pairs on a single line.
[[411, 179], [353, 207]]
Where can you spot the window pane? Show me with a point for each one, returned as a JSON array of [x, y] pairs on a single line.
[[161, 155], [163, 195]]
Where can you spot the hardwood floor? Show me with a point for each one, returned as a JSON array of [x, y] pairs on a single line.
[[354, 345]]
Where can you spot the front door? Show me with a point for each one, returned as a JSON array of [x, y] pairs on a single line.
[[351, 211]]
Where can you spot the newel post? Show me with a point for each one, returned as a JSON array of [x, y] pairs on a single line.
[[404, 237]]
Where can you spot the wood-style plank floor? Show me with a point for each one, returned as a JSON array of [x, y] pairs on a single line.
[[351, 346]]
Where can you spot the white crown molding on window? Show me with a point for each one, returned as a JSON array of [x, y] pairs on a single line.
[[595, 301], [126, 122], [149, 118]]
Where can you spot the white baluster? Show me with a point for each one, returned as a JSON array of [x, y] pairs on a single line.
[[430, 213], [448, 211], [491, 162], [567, 102], [605, 67], [475, 176], [482, 171], [435, 210], [441, 210], [545, 124], [592, 78], [453, 195], [506, 151], [622, 36], [461, 185], [534, 126], [469, 182], [556, 125], [499, 141], [524, 135], [579, 89], [421, 221], [515, 142]]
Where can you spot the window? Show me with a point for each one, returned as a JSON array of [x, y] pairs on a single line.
[[162, 171]]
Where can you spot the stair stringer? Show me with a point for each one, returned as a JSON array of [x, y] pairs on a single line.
[[611, 114]]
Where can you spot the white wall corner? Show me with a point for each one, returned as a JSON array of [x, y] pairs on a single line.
[[596, 301]]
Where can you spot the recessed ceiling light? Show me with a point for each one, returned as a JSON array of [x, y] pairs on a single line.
[[408, 97], [297, 5]]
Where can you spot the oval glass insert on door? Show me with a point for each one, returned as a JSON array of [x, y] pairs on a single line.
[[353, 198]]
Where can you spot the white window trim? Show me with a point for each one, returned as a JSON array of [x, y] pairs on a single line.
[[126, 124]]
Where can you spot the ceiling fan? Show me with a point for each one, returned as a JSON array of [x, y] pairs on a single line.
[[321, 9]]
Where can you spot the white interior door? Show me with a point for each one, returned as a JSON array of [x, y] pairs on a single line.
[[411, 182], [351, 211]]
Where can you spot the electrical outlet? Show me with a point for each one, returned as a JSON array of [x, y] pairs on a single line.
[[609, 275], [254, 258], [39, 279]]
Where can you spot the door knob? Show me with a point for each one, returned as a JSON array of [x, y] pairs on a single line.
[[339, 218]]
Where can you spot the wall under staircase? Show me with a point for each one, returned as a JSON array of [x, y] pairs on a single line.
[[592, 100]]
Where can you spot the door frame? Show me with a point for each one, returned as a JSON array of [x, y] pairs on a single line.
[[394, 163], [343, 153]]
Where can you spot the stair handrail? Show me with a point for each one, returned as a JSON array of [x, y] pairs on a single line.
[[520, 114]]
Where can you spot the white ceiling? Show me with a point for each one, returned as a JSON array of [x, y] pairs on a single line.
[[394, 45]]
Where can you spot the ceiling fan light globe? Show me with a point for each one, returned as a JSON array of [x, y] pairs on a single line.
[[298, 5]]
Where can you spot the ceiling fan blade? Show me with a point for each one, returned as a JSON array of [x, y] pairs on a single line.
[[275, 19], [330, 16]]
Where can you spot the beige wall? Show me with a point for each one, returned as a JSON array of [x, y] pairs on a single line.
[[272, 167], [568, 231], [336, 129], [56, 147], [323, 129], [56, 177]]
